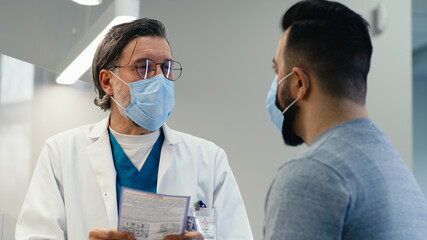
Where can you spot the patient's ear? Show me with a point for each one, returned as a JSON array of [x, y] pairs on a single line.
[[303, 83]]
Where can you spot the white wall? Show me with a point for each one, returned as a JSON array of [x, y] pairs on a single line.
[[226, 48]]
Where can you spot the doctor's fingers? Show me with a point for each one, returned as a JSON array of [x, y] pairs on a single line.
[[112, 234], [187, 236]]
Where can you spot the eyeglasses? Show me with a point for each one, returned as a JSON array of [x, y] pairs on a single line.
[[146, 68]]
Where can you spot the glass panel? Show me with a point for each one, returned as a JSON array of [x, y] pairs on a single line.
[[34, 107]]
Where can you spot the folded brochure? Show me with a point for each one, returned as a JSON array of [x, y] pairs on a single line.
[[150, 216]]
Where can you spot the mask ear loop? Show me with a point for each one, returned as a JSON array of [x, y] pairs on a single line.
[[118, 77], [118, 104], [290, 105], [294, 101], [283, 79]]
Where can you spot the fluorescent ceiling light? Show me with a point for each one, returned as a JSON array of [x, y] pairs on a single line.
[[83, 62], [88, 2]]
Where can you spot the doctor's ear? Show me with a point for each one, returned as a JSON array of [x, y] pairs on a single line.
[[105, 79], [303, 82]]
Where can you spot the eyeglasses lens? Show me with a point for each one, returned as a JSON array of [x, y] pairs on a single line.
[[147, 69]]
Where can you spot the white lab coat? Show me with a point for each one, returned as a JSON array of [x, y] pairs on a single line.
[[73, 189]]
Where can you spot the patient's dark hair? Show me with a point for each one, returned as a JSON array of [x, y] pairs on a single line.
[[332, 41]]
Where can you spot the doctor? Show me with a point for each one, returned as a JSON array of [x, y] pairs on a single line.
[[75, 188]]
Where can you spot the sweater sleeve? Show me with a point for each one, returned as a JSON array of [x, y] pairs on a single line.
[[307, 200]]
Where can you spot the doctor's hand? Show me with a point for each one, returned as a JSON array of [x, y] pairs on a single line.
[[186, 236], [98, 233]]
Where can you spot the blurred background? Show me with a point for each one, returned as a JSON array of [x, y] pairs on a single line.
[[226, 48]]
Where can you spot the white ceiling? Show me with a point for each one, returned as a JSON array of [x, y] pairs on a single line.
[[49, 33]]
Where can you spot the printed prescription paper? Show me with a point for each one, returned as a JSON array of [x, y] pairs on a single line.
[[150, 216]]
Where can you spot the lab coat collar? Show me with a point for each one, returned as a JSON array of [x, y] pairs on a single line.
[[99, 128], [171, 136]]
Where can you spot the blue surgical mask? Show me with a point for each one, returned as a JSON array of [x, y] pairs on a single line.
[[277, 116], [151, 103]]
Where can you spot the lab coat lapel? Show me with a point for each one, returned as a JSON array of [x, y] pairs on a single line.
[[166, 156], [167, 153], [101, 159]]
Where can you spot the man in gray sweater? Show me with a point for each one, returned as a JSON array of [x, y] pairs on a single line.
[[351, 182]]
